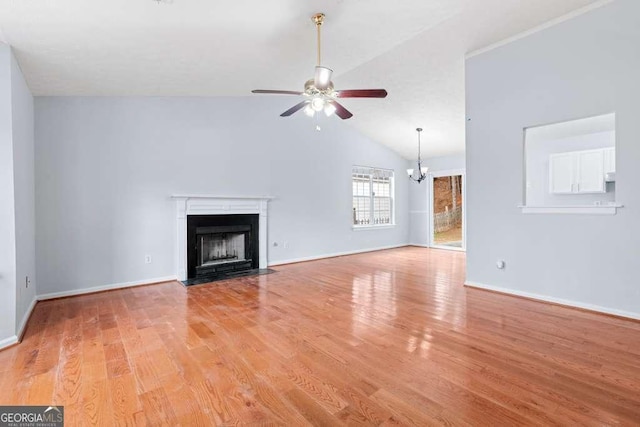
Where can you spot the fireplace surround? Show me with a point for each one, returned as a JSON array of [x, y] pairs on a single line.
[[190, 205]]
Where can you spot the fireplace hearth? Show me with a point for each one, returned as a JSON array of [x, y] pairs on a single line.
[[221, 244]]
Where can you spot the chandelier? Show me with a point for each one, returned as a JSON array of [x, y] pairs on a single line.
[[421, 174]]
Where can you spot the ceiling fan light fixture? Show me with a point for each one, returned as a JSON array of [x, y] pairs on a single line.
[[317, 103], [309, 111], [329, 109]]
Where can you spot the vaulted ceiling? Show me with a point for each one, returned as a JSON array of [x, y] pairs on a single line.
[[413, 48]]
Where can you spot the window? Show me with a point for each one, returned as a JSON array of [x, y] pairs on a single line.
[[372, 196]]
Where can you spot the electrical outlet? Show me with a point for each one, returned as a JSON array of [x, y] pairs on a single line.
[[286, 245], [147, 259]]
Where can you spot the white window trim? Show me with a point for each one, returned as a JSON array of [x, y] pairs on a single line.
[[364, 227]]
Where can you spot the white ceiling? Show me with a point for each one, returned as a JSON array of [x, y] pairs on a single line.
[[414, 48], [585, 126]]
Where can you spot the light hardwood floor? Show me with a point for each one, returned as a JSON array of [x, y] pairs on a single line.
[[388, 337]]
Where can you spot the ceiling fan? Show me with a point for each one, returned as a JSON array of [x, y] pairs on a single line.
[[319, 92]]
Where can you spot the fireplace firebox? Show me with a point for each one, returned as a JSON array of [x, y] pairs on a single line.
[[221, 244]]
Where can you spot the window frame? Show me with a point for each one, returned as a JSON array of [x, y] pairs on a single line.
[[357, 169]]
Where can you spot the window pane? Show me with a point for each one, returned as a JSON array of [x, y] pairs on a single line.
[[361, 186], [382, 210], [382, 187], [361, 211], [372, 189]]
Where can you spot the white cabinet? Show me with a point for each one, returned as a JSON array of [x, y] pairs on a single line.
[[579, 172], [561, 173], [590, 172], [609, 160]]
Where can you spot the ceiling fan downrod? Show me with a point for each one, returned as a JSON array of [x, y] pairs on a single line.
[[318, 19]]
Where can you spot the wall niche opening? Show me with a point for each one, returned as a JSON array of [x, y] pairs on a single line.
[[571, 164]]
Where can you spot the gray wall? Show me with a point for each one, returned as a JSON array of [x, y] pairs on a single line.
[[105, 168], [580, 68], [7, 211], [17, 215], [420, 197], [537, 158], [23, 172]]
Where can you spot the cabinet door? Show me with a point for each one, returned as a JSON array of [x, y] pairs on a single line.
[[609, 160], [590, 176], [561, 173]]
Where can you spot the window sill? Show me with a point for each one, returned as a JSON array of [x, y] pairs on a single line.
[[371, 227], [572, 210]]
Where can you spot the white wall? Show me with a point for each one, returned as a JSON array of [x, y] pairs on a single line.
[[105, 168], [23, 173], [580, 68], [537, 167], [420, 197], [7, 211]]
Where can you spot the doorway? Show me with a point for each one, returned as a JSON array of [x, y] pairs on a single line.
[[447, 210]]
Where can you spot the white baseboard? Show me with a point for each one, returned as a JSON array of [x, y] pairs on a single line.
[[561, 301], [419, 245], [335, 254], [8, 341], [105, 288], [23, 323], [25, 318]]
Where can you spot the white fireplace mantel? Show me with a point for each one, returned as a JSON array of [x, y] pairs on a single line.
[[203, 204]]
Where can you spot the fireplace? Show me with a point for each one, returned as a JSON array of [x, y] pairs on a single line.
[[198, 207], [221, 244]]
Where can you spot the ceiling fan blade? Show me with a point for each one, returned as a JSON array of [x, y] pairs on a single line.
[[322, 77], [341, 112], [295, 108], [277, 92], [362, 93]]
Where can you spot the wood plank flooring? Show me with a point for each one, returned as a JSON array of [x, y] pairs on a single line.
[[383, 338]]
